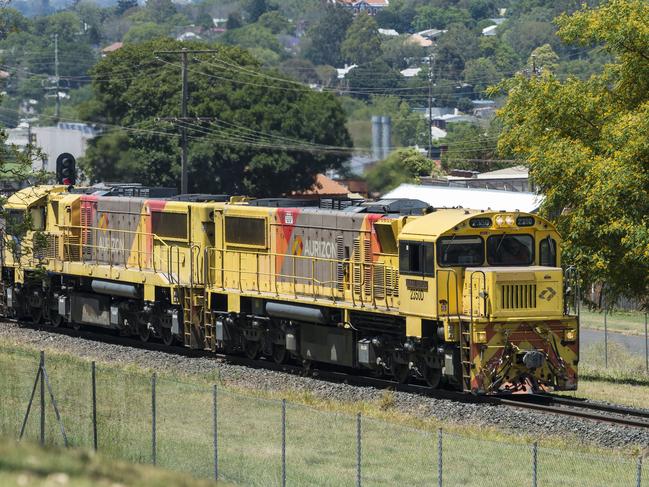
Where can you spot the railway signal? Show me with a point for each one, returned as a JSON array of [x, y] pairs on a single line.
[[66, 169]]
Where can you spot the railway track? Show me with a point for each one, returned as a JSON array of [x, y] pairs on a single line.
[[546, 403]]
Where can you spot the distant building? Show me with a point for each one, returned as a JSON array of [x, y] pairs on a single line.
[[410, 72], [371, 7], [324, 187], [342, 72], [112, 48], [514, 179], [489, 31], [52, 141], [479, 199], [388, 32]]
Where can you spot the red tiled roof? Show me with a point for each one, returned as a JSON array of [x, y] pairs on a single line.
[[113, 47], [325, 186]]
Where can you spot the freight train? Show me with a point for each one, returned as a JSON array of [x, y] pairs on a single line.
[[463, 299]]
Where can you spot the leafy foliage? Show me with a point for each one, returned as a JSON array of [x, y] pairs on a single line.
[[257, 144], [401, 166], [362, 43], [586, 144]]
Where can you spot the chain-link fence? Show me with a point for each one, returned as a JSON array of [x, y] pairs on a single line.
[[212, 432]]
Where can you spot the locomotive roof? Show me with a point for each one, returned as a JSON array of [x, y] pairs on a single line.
[[443, 220]]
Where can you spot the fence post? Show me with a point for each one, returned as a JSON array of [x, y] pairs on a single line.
[[94, 406], [283, 442], [535, 464], [358, 450], [439, 458], [215, 432], [605, 336], [646, 344], [41, 367], [153, 420], [639, 472]]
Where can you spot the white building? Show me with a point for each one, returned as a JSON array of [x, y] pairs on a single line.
[[470, 198], [52, 141]]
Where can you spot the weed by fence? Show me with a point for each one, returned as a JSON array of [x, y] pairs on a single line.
[[211, 432]]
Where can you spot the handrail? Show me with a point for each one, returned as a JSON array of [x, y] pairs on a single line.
[[313, 286], [484, 288], [448, 293]]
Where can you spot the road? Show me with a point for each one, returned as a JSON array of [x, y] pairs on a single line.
[[633, 343]]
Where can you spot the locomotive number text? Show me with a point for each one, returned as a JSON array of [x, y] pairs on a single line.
[[416, 295]]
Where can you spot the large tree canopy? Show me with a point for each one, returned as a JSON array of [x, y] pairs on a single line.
[[265, 136], [587, 147]]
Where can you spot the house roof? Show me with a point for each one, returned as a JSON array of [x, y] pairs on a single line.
[[4, 74], [516, 172], [420, 40], [388, 32], [113, 47], [325, 186], [410, 72], [371, 3]]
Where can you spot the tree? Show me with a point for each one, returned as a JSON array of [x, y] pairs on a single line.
[[585, 142], [429, 17], [401, 166], [160, 11], [234, 21], [454, 48], [255, 9], [275, 22], [268, 136], [481, 73], [362, 43], [325, 37], [543, 59], [398, 15], [124, 5], [374, 78], [399, 52], [468, 146], [144, 32]]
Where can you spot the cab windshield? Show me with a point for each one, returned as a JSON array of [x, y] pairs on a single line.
[[511, 250], [460, 251]]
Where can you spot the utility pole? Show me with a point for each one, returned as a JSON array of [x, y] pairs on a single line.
[[431, 78], [184, 98], [56, 77]]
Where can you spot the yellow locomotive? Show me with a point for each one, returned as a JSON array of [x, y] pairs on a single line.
[[472, 300]]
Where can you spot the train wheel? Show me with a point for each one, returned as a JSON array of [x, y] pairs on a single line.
[[433, 376], [56, 320], [400, 372], [143, 332], [167, 336], [75, 326], [251, 349], [279, 354], [36, 312]]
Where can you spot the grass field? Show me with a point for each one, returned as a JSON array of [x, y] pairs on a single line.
[[321, 435], [26, 464], [627, 322]]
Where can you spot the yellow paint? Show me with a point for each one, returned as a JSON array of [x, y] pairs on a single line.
[[413, 326]]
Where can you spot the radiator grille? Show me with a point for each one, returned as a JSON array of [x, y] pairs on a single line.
[[518, 296]]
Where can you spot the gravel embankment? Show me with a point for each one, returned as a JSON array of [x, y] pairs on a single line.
[[508, 419]]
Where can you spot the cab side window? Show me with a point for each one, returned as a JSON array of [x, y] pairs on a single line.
[[417, 258], [548, 252]]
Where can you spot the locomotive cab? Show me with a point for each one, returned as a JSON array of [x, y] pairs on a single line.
[[484, 299]]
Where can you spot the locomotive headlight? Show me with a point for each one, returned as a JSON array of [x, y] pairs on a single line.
[[480, 337], [509, 220], [500, 220], [570, 335]]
